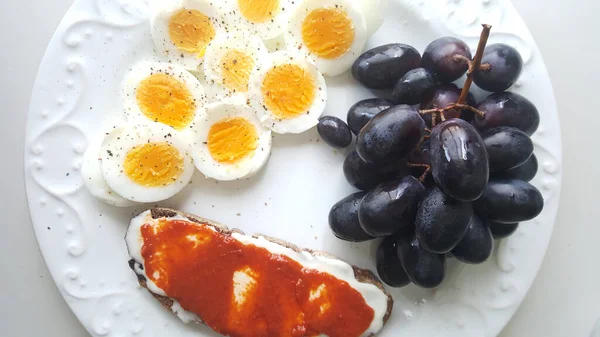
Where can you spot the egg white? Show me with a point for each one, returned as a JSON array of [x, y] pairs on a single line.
[[276, 44], [120, 141], [160, 19], [329, 67], [250, 45], [143, 70], [247, 166], [93, 179], [374, 12], [302, 122], [268, 30]]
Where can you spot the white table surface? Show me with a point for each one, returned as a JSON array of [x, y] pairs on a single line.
[[564, 300]]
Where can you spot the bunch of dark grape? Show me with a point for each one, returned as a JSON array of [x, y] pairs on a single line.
[[441, 176]]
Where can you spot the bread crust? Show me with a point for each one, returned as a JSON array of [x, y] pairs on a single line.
[[361, 275]]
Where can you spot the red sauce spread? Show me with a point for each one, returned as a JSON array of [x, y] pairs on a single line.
[[273, 295]]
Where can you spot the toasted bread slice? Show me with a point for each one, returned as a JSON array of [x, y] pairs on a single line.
[[361, 276]]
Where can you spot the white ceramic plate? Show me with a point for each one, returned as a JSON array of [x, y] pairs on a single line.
[[82, 239]]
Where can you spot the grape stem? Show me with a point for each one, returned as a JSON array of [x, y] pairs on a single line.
[[466, 60], [434, 118], [425, 166], [485, 67], [455, 106], [474, 65]]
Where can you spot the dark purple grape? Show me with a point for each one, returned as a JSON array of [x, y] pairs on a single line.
[[510, 201], [525, 172], [459, 162], [477, 244], [440, 57], [504, 68], [391, 207], [366, 176], [443, 96], [507, 147], [501, 230], [425, 269], [441, 221], [343, 219], [362, 112], [392, 134], [389, 267], [414, 87], [383, 66], [508, 109], [334, 131]]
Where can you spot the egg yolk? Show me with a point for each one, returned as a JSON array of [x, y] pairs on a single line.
[[258, 11], [191, 31], [236, 67], [288, 91], [232, 139], [153, 164], [328, 32], [164, 99]]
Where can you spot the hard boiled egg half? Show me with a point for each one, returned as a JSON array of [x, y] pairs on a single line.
[[231, 143], [332, 32], [229, 61], [182, 29], [146, 163], [163, 93], [287, 92]]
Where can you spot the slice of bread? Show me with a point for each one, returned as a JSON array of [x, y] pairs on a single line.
[[361, 275]]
